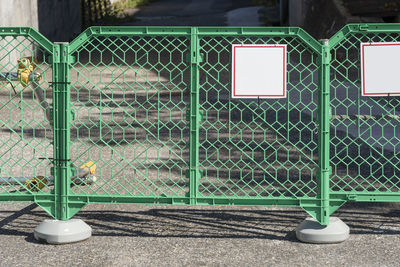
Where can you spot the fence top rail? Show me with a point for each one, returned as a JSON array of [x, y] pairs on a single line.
[[363, 28], [29, 32], [200, 31]]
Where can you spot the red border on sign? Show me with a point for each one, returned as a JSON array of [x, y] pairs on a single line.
[[260, 46], [363, 70]]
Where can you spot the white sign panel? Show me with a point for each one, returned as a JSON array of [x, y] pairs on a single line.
[[380, 69], [258, 71]]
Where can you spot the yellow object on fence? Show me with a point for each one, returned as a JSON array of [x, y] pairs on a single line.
[[26, 66]]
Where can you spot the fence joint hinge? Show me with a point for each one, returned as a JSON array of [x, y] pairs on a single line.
[[200, 115], [52, 59], [326, 57], [363, 27], [194, 58], [200, 173]]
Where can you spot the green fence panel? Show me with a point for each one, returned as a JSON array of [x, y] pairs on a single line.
[[152, 110], [130, 95], [259, 151], [26, 149], [148, 113], [365, 130]]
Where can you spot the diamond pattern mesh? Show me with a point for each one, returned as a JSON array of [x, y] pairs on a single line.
[[25, 133], [364, 130], [129, 96], [258, 147], [130, 99]]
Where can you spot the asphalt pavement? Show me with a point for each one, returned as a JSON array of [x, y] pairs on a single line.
[[197, 13], [137, 235]]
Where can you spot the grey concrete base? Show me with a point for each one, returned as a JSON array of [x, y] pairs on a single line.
[[62, 232], [310, 231]]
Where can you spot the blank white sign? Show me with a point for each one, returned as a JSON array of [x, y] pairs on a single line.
[[258, 71], [380, 69]]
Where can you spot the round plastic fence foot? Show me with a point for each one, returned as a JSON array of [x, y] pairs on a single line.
[[310, 231], [62, 232]]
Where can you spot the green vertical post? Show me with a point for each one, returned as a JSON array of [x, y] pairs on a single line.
[[61, 126], [323, 132], [194, 119]]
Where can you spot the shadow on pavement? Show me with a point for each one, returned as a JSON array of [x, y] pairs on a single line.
[[204, 222]]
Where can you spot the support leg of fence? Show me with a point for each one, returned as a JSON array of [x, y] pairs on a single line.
[[325, 229], [311, 231], [62, 230]]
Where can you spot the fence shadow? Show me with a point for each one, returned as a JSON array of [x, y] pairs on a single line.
[[206, 222]]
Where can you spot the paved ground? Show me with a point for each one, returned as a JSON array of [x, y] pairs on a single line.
[[197, 13], [200, 236]]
